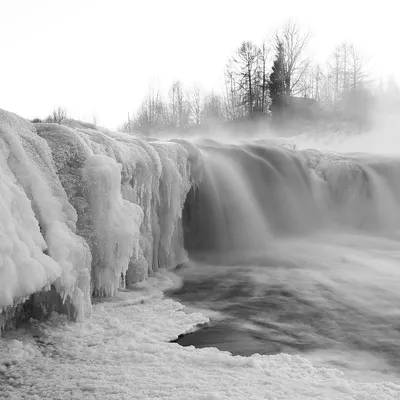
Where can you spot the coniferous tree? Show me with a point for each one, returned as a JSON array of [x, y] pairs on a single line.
[[277, 82]]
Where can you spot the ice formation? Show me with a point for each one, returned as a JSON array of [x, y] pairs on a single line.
[[86, 210], [39, 246]]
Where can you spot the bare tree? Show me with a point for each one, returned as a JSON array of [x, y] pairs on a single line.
[[179, 107], [318, 77], [245, 63], [151, 116], [357, 70], [212, 109], [344, 49], [57, 115], [310, 85], [242, 73], [233, 103], [295, 60], [345, 73], [195, 105], [246, 82], [263, 73]]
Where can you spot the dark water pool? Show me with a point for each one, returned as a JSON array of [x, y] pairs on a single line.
[[333, 318]]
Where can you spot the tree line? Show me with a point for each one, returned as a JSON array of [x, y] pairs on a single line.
[[275, 81], [272, 81]]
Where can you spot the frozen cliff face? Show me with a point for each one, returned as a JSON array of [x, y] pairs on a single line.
[[115, 222], [93, 184], [39, 244], [155, 176], [175, 183], [86, 210]]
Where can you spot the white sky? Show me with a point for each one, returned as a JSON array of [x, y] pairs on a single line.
[[98, 58]]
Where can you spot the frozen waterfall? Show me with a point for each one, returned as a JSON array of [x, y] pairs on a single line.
[[86, 211]]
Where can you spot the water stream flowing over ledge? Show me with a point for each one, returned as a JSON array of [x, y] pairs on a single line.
[[288, 250]]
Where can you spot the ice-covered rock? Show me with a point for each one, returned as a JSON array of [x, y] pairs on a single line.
[[87, 210], [39, 246]]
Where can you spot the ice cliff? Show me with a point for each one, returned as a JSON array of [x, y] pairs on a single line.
[[85, 211]]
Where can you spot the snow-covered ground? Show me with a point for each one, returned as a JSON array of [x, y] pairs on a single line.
[[123, 352]]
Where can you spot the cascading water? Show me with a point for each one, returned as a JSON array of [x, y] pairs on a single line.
[[296, 251], [290, 250], [249, 193]]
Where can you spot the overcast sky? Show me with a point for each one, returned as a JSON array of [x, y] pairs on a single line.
[[97, 58]]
